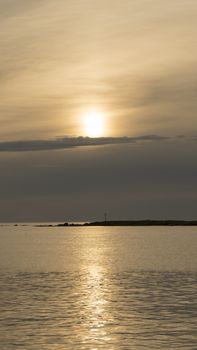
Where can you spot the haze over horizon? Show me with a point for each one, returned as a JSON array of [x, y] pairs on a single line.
[[98, 110]]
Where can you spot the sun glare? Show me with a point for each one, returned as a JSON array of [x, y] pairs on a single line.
[[94, 124]]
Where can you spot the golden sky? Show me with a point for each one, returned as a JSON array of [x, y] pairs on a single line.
[[122, 72], [133, 61]]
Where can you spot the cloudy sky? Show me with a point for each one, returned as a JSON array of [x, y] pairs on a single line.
[[98, 109]]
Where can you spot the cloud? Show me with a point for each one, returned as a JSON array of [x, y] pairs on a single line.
[[138, 180], [156, 100], [71, 142], [13, 8], [149, 86]]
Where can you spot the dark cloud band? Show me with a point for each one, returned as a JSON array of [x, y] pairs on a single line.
[[71, 142]]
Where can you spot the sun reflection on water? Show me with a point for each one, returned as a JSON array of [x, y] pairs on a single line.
[[95, 294], [94, 304]]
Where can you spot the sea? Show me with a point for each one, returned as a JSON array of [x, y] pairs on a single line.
[[90, 288]]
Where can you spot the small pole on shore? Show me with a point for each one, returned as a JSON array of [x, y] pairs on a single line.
[[105, 216]]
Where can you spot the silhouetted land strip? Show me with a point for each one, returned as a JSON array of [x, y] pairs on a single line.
[[127, 223]]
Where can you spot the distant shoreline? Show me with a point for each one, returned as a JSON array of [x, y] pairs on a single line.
[[125, 223]]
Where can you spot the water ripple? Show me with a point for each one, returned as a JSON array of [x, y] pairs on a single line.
[[70, 310]]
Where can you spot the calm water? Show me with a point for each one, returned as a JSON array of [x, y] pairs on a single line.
[[98, 288]]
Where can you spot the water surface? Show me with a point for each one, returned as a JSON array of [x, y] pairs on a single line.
[[98, 288]]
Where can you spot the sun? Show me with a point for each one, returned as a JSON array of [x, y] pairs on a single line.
[[94, 124]]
